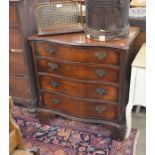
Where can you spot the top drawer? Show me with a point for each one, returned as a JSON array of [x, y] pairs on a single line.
[[78, 54], [13, 17]]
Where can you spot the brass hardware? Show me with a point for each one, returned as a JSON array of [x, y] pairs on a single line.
[[100, 72], [16, 50], [100, 109], [21, 75], [52, 66], [100, 55], [54, 84], [101, 91], [55, 101], [50, 50]]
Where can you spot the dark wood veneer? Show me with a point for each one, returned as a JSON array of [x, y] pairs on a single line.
[[13, 18], [19, 86], [84, 90], [21, 25], [75, 83], [15, 38], [16, 60], [94, 110], [78, 54], [79, 70]]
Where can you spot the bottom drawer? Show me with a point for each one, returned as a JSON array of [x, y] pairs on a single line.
[[19, 87], [75, 107]]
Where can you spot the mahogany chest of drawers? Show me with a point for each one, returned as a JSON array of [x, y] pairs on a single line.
[[82, 79], [21, 79]]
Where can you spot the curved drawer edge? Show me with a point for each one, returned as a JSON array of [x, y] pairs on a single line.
[[79, 80], [116, 130], [79, 99]]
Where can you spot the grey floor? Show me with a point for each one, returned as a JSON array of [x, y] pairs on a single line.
[[139, 122]]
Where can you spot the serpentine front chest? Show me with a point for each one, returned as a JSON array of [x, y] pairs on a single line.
[[83, 79]]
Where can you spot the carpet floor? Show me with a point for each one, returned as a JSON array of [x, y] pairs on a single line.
[[66, 137]]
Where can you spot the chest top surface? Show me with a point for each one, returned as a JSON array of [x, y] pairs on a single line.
[[79, 39]]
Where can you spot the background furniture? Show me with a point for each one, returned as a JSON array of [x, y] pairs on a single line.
[[138, 3], [140, 22], [16, 145], [137, 86], [82, 79], [22, 24]]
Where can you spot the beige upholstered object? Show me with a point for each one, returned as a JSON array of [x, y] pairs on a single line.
[[138, 3], [21, 152], [16, 145], [15, 136]]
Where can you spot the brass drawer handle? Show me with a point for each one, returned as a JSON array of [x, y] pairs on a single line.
[[54, 84], [52, 66], [101, 91], [100, 55], [100, 72], [100, 109], [50, 50], [55, 101]]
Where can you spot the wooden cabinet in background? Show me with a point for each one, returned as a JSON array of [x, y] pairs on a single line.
[[84, 80], [21, 25], [141, 23]]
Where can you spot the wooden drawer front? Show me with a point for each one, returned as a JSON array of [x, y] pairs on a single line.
[[19, 87], [17, 63], [80, 108], [78, 70], [77, 89], [15, 39], [86, 55], [13, 17]]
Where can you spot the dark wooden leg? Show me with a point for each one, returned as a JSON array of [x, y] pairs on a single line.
[[44, 115], [119, 133], [116, 132]]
